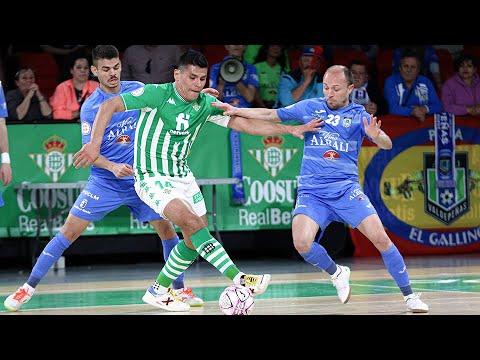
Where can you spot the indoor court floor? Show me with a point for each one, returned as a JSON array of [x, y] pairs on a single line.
[[449, 284]]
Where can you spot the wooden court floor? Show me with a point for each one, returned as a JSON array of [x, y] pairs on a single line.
[[450, 285]]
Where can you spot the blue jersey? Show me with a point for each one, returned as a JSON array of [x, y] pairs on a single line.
[[3, 103], [328, 188], [118, 140], [104, 192], [330, 154]]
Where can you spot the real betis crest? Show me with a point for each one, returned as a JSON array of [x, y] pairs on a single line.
[[449, 203], [273, 158], [54, 162]]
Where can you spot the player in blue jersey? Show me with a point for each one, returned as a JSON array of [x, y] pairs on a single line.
[[110, 184], [5, 168], [328, 187]]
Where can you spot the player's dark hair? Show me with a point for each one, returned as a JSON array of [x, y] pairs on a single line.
[[101, 52], [192, 57]]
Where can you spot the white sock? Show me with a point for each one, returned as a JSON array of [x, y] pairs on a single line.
[[30, 289], [159, 289]]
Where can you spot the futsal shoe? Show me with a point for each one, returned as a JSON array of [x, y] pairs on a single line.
[[341, 280]]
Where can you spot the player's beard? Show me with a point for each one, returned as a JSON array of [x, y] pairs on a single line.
[[335, 105]]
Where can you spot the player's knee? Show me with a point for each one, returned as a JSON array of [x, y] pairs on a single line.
[[381, 241], [191, 224], [302, 244], [69, 233], [164, 229]]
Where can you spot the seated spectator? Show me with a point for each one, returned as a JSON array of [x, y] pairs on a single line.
[[430, 65], [271, 63], [26, 103], [151, 64], [410, 94], [241, 93], [366, 92], [461, 92], [303, 83], [69, 95]]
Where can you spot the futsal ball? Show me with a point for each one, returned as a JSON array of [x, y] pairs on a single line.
[[236, 300]]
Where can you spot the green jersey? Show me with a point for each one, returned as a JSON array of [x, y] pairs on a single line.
[[167, 127]]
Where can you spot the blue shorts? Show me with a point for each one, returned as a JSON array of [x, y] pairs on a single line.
[[100, 197], [1, 200], [347, 204]]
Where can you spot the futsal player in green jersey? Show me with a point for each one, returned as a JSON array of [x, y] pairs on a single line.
[[172, 115]]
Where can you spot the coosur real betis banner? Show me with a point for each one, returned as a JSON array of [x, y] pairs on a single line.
[[43, 153], [402, 184]]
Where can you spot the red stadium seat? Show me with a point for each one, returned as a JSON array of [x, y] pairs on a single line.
[[447, 66], [342, 56], [384, 64]]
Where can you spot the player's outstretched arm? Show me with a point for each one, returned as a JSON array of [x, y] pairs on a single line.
[[373, 130], [261, 127], [250, 113], [91, 150]]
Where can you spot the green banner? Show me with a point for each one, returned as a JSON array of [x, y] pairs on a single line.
[[43, 153]]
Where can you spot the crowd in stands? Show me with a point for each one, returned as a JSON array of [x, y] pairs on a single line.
[[50, 82]]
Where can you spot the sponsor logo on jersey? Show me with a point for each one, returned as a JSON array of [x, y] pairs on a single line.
[[138, 92], [124, 140], [86, 128], [331, 155]]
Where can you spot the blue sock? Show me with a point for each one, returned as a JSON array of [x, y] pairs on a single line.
[[398, 270], [168, 245], [318, 256], [47, 258]]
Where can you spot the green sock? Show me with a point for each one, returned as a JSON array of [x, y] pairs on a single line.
[[212, 251], [180, 258]]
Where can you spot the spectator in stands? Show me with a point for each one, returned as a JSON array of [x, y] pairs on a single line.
[[461, 92], [271, 62], [410, 94], [366, 92], [241, 93], [303, 83], [26, 103], [251, 53], [430, 65], [70, 94], [151, 64], [5, 168]]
